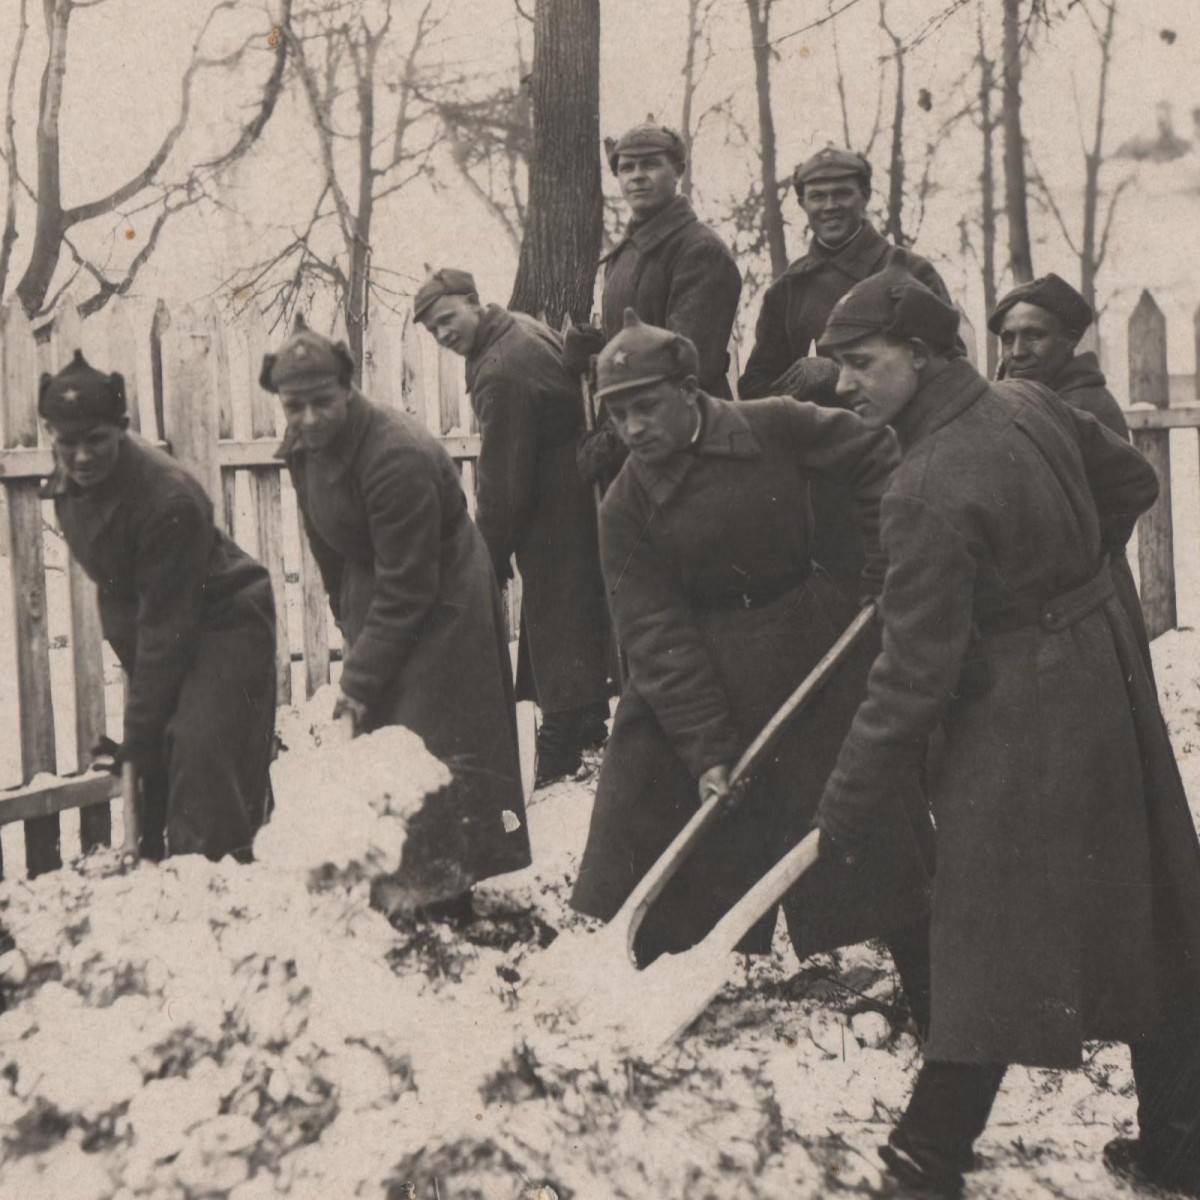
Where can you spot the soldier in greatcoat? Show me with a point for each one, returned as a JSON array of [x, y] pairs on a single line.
[[1039, 325], [411, 584], [669, 267], [532, 504], [1066, 902], [190, 616], [833, 188], [705, 542]]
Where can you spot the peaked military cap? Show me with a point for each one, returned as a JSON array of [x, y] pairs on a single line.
[[81, 395], [892, 302], [643, 354], [831, 163], [306, 361], [446, 281], [647, 138], [1055, 295]]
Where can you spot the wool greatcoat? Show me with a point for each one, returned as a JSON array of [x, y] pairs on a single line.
[[1082, 385], [712, 589], [411, 584], [532, 502], [1067, 897], [676, 273], [192, 620], [794, 311]]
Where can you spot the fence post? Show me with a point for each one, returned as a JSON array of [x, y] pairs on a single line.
[[379, 379], [412, 371], [122, 356], [189, 409], [448, 389], [222, 383], [1149, 384], [266, 489], [36, 708]]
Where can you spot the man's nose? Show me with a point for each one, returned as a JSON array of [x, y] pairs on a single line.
[[845, 384]]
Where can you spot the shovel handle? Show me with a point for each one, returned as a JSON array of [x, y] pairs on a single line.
[[650, 886], [129, 804]]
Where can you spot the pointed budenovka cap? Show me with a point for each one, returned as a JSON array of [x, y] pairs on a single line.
[[307, 360], [1055, 295], [891, 302], [647, 138], [81, 395], [445, 281], [643, 354]]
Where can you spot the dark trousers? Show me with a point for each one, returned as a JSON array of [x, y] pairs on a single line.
[[909, 948], [206, 790], [951, 1103]]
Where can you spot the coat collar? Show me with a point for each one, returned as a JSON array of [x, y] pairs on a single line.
[[724, 433], [646, 235], [493, 325], [1082, 371], [341, 451], [946, 396], [859, 257], [105, 498]]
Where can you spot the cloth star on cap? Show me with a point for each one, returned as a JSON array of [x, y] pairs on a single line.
[[643, 354], [446, 281], [81, 395], [1055, 295], [894, 303]]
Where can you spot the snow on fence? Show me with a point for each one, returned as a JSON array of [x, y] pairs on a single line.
[[192, 383]]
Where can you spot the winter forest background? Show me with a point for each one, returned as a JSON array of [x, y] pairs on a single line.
[[314, 155]]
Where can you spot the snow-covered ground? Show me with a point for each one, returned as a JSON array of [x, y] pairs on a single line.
[[197, 1031]]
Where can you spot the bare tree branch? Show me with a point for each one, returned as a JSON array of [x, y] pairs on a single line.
[[1102, 252], [9, 237]]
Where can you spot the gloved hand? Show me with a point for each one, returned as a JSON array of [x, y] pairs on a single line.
[[714, 782], [580, 343], [599, 455], [108, 755], [352, 712], [813, 379]]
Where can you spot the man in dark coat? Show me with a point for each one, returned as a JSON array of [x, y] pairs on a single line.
[[705, 539], [190, 616], [833, 188], [532, 503], [1067, 896], [1039, 325], [410, 581], [671, 269]]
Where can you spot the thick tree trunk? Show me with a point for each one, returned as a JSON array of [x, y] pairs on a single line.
[[355, 310], [689, 92], [760, 29], [1090, 253], [561, 246], [1019, 252], [894, 228]]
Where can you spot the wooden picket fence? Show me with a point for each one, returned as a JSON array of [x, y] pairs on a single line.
[[192, 384]]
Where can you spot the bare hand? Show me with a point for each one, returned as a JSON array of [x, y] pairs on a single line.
[[351, 714], [714, 782]]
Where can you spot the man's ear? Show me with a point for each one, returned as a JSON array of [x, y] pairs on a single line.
[[921, 353]]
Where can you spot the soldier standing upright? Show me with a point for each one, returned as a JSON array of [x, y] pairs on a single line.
[[532, 503], [669, 267], [833, 188]]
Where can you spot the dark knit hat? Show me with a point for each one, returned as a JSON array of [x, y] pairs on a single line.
[[304, 362], [643, 354], [1055, 295], [895, 303], [647, 138], [81, 395], [831, 163], [446, 281]]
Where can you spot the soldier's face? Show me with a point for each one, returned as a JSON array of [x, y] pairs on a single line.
[[454, 322], [648, 182], [316, 414], [835, 208], [656, 421], [1034, 344], [878, 377], [88, 452]]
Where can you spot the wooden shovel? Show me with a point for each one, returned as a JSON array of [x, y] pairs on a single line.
[[601, 970], [129, 805]]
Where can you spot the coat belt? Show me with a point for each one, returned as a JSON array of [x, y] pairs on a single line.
[[755, 593], [1058, 612]]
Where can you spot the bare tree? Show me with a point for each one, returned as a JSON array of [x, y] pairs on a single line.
[[1019, 250], [843, 104], [894, 225], [1091, 245], [987, 124], [559, 252], [145, 191], [759, 12], [346, 61]]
